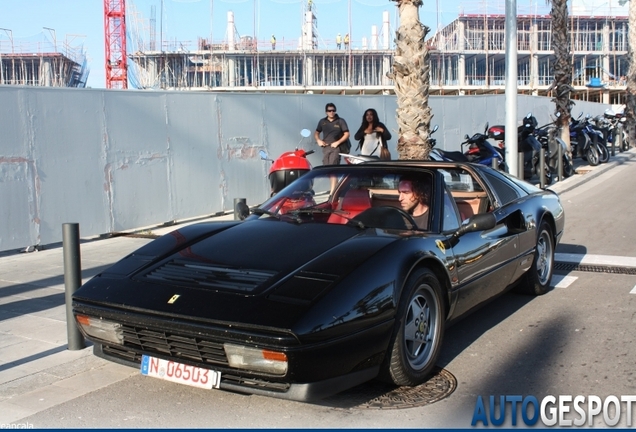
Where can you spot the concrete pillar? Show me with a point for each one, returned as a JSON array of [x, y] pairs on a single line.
[[46, 74], [461, 61], [308, 32], [231, 43], [386, 68], [309, 70], [385, 30], [534, 58], [374, 37], [606, 57]]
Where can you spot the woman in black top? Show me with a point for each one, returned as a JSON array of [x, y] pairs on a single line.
[[372, 134]]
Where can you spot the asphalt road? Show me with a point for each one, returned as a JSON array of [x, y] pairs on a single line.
[[577, 339]]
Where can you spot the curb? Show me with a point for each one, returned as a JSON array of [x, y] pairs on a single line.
[[579, 179]]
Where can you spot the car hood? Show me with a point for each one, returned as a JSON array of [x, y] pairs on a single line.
[[262, 273]]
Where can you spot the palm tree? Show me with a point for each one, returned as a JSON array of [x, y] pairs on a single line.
[[411, 77], [630, 104], [562, 84]]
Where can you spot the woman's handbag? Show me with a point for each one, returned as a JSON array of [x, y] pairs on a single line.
[[385, 154]]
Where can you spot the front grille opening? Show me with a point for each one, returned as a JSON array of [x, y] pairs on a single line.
[[173, 345]]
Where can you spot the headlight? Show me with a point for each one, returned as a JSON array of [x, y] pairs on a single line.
[[101, 329], [256, 359]]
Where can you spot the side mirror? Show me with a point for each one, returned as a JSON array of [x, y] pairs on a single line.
[[486, 128], [466, 136], [479, 222], [435, 128], [529, 115], [242, 210], [263, 154], [305, 133]]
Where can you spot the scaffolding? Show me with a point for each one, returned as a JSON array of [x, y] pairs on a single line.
[[468, 56], [37, 61]]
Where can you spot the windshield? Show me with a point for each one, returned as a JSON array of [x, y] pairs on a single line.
[[381, 197]]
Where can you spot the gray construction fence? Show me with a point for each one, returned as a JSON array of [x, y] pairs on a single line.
[[121, 160]]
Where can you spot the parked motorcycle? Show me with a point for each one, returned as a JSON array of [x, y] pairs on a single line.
[[546, 135], [478, 150], [598, 135], [289, 166], [581, 143], [528, 144], [617, 134]]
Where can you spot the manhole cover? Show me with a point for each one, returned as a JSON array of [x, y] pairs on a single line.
[[378, 395]]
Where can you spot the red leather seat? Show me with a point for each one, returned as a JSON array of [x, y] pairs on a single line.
[[352, 203], [465, 210]]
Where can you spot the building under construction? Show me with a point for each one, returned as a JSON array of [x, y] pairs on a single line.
[[240, 63], [36, 61], [467, 57]]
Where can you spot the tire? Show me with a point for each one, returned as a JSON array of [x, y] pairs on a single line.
[[548, 177], [603, 153], [592, 156], [419, 330], [568, 167], [537, 279]]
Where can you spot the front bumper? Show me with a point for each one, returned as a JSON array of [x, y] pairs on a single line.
[[303, 392]]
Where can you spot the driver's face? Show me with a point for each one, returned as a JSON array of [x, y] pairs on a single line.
[[407, 198]]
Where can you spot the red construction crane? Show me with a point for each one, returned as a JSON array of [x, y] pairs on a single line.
[[115, 40]]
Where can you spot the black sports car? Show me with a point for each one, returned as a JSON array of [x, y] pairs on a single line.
[[328, 284]]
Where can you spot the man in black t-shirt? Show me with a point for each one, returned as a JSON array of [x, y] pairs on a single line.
[[414, 196], [334, 132]]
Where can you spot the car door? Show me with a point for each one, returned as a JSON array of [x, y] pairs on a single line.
[[484, 260]]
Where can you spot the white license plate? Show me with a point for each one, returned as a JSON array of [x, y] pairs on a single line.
[[180, 373]]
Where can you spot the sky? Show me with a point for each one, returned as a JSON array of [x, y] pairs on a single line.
[[79, 24]]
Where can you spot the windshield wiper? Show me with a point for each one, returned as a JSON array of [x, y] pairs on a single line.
[[259, 211], [313, 210]]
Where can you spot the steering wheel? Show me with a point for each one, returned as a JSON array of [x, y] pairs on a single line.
[[407, 216], [387, 217]]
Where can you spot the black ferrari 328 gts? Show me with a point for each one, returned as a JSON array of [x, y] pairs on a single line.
[[327, 284]]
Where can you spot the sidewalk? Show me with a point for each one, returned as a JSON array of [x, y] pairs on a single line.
[[37, 371]]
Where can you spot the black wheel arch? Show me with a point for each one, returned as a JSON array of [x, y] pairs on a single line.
[[438, 269], [548, 218]]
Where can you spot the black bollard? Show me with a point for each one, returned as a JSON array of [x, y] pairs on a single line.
[[236, 210], [542, 169], [560, 164], [72, 281], [520, 165]]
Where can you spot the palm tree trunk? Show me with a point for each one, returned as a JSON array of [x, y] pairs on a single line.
[[630, 104], [412, 79], [562, 84]]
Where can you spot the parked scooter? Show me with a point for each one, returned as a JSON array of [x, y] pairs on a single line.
[[598, 134], [478, 150], [528, 144], [581, 143], [617, 133], [546, 135], [289, 166]]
